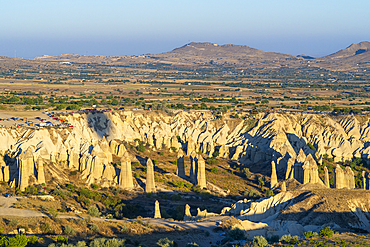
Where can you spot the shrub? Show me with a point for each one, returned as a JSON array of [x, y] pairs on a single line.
[[61, 239], [94, 186], [246, 173], [34, 240], [18, 241], [93, 211], [236, 234], [269, 193], [214, 170], [13, 222], [165, 242], [1, 230], [141, 148], [69, 230], [309, 234], [326, 232], [286, 238], [252, 194], [95, 228], [260, 241], [192, 245], [46, 228], [102, 242], [161, 153], [311, 146]]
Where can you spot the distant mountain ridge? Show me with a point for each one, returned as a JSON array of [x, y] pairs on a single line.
[[206, 53]]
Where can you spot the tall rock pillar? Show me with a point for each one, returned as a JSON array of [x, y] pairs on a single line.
[[125, 178], [193, 168], [190, 146], [26, 169], [201, 172], [180, 164], [363, 180], [273, 175], [338, 177], [40, 171], [326, 177], [150, 184]]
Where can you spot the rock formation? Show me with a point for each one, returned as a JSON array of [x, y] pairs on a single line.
[[201, 172], [125, 179], [364, 180], [40, 171], [283, 138], [326, 177], [180, 164], [273, 175], [26, 169], [157, 211], [339, 177], [150, 184], [187, 215], [193, 166], [283, 186], [190, 146]]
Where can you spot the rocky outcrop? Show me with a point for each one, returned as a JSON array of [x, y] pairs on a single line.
[[96, 138]]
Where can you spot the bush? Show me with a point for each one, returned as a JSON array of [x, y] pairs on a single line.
[[46, 228], [214, 170], [236, 234], [61, 239], [165, 242], [309, 234], [246, 173], [93, 211], [286, 238], [69, 230], [311, 146], [192, 245], [95, 228], [34, 240], [326, 232], [252, 194], [13, 222], [260, 241], [161, 153], [141, 148], [269, 193], [102, 242], [17, 241]]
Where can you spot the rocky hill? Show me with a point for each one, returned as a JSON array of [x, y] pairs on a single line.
[[194, 54]]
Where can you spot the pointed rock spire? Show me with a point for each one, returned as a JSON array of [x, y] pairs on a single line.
[[273, 175], [125, 179], [326, 177], [201, 172], [150, 184], [180, 164], [157, 211]]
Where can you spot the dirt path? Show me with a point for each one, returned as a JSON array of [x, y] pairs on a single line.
[[7, 210]]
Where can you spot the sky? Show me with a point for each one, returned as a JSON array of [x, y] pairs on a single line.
[[123, 27]]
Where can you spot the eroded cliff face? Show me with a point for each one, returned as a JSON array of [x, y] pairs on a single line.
[[296, 212], [95, 138]]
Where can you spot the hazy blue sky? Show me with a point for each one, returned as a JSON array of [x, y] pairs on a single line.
[[118, 27]]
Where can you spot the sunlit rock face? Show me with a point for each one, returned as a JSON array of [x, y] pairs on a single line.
[[286, 139]]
